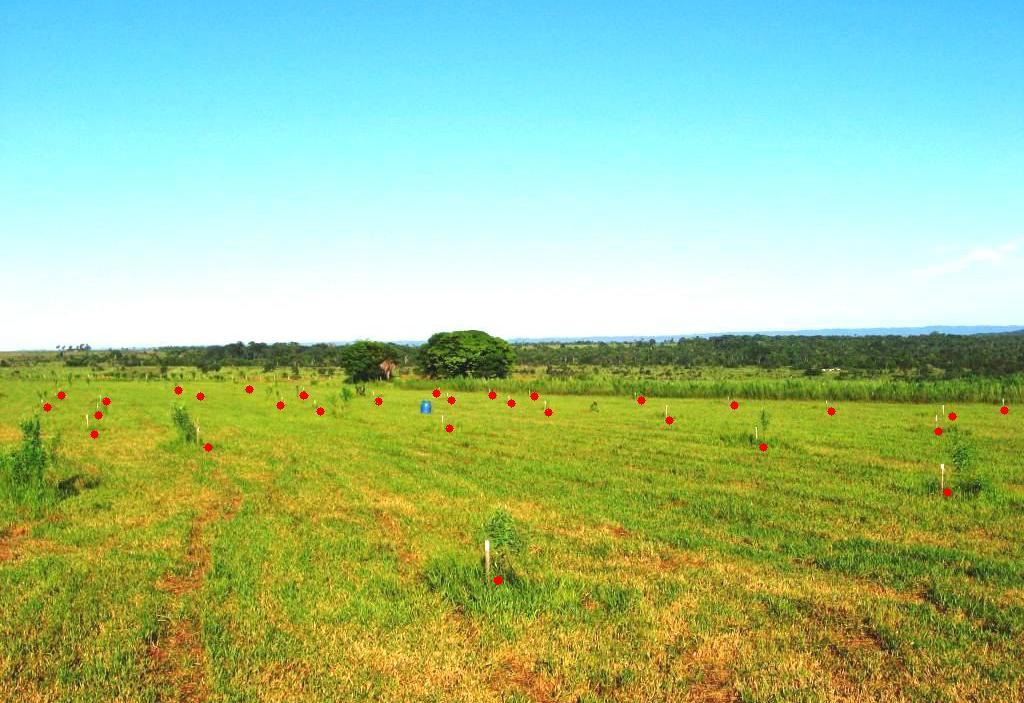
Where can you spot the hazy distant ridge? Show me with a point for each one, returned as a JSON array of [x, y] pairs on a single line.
[[829, 332]]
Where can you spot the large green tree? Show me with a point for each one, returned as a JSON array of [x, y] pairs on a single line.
[[466, 353], [362, 360]]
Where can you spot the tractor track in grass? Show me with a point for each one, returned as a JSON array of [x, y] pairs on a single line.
[[177, 658]]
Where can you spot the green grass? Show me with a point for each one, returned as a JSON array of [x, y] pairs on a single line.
[[340, 557]]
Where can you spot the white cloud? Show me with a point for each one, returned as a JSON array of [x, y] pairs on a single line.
[[982, 255]]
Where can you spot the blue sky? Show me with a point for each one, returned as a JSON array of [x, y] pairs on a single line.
[[180, 173]]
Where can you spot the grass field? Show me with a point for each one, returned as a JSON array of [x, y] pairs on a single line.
[[339, 558]]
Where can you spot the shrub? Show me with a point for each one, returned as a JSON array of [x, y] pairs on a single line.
[[507, 544], [186, 427], [963, 456], [22, 471], [765, 419]]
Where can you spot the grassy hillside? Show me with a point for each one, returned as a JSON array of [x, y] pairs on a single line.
[[311, 558]]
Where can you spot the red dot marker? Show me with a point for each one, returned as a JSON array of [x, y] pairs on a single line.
[[436, 393], [947, 492], [669, 420], [61, 395], [734, 405], [320, 411], [641, 400], [449, 428], [938, 431], [1004, 410], [492, 395], [952, 417], [303, 395], [98, 415], [831, 411], [208, 447], [94, 434], [106, 401], [451, 400], [200, 395], [280, 405], [763, 447], [549, 412], [511, 403], [534, 395], [47, 407], [249, 389], [178, 390], [378, 400], [498, 580]]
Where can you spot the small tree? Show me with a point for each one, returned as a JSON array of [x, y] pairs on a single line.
[[363, 360], [185, 425], [964, 455], [22, 470], [466, 353], [507, 543]]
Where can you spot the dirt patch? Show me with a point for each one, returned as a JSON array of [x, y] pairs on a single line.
[[178, 657], [515, 674], [394, 537], [716, 681], [10, 539]]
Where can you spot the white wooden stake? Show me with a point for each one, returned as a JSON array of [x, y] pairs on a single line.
[[666, 411], [943, 408], [487, 557], [87, 419], [755, 432], [942, 477]]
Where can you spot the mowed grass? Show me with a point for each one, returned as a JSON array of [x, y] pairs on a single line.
[[338, 558]]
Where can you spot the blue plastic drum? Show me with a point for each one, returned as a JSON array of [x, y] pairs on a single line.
[[424, 407]]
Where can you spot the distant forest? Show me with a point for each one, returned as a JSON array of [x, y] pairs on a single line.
[[954, 355]]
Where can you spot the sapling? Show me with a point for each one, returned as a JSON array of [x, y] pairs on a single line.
[[506, 543]]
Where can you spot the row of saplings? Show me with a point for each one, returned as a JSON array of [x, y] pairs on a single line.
[[24, 481]]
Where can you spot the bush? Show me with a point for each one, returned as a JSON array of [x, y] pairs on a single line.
[[466, 353], [22, 471], [507, 544], [186, 426], [362, 360], [963, 455]]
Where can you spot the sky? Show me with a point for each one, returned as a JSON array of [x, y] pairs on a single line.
[[201, 173]]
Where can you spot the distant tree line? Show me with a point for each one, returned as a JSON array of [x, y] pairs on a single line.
[[476, 354], [981, 354]]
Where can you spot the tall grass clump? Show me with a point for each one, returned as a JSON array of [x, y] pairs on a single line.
[[508, 543], [807, 388], [22, 471], [185, 425], [963, 455]]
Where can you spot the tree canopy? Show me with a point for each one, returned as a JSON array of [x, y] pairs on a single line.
[[466, 353], [362, 360]]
